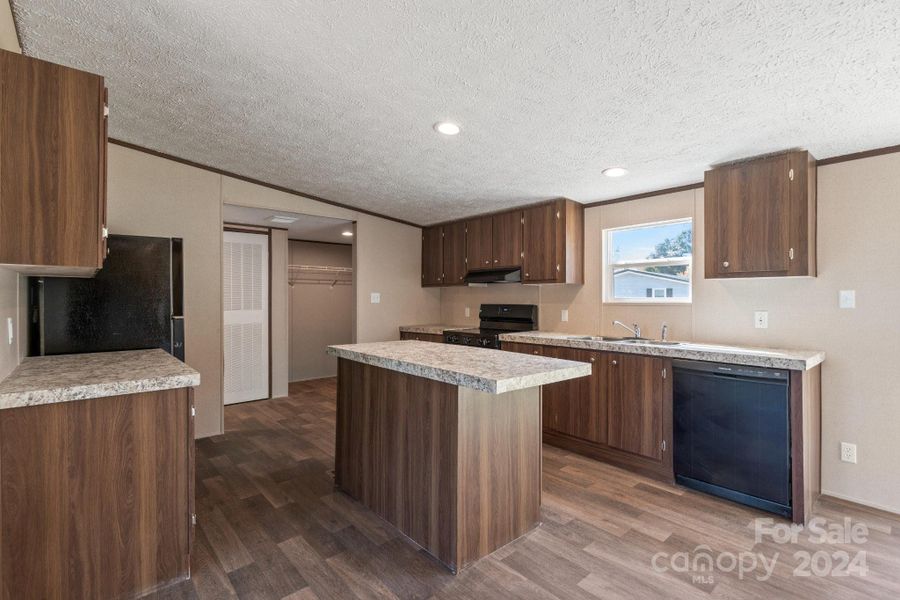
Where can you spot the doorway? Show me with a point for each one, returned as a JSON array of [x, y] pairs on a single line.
[[245, 266]]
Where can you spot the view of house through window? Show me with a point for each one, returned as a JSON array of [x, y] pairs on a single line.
[[649, 262]]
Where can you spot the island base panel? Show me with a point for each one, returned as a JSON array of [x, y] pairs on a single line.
[[456, 470]]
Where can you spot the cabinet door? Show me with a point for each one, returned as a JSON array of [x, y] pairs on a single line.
[[539, 263], [507, 239], [747, 210], [432, 256], [635, 396], [454, 253], [577, 407], [478, 243], [52, 147]]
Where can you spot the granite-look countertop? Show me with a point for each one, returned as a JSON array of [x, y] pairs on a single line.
[[432, 329], [492, 371], [795, 360], [68, 377]]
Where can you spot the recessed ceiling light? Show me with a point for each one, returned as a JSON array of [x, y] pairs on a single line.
[[615, 172], [347, 233], [447, 128], [281, 219]]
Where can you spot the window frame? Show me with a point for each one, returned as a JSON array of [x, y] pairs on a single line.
[[610, 267]]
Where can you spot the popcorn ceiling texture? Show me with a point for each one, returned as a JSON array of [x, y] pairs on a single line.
[[337, 98]]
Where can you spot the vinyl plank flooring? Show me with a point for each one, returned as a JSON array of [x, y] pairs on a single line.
[[271, 525]]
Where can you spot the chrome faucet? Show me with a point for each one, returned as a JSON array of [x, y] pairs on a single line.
[[664, 334], [635, 329]]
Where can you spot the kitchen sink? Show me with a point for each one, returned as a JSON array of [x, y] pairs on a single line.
[[650, 342], [594, 338]]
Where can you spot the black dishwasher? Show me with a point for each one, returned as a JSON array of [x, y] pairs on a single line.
[[732, 433]]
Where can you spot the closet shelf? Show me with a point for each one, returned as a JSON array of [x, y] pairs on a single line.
[[320, 274]]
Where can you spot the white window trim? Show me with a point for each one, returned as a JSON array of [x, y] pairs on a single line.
[[610, 267]]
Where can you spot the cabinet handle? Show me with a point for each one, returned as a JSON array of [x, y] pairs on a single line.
[[725, 264]]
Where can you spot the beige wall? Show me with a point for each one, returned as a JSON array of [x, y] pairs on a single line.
[[153, 196], [149, 195], [387, 258], [280, 339], [320, 314], [858, 246]]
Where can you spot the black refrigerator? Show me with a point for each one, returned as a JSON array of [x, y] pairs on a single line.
[[134, 302]]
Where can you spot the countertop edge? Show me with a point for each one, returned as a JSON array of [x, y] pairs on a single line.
[[432, 329], [476, 382], [89, 391], [685, 353]]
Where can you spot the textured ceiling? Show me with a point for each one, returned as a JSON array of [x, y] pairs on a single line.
[[307, 227], [337, 98]]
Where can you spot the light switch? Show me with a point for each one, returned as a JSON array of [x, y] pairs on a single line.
[[468, 311], [376, 298], [761, 319], [847, 299], [564, 315]]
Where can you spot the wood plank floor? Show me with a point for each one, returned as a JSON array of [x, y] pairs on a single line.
[[271, 526]]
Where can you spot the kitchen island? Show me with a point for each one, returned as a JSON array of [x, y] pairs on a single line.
[[443, 441]]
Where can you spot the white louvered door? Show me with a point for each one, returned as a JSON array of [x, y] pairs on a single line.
[[246, 303]]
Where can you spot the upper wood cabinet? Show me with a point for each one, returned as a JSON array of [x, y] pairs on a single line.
[[545, 241], [553, 243], [760, 217], [506, 245], [52, 168], [432, 256], [454, 253], [479, 240]]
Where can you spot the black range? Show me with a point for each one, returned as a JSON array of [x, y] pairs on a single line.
[[494, 320]]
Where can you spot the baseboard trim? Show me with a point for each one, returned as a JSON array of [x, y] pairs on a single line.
[[861, 503]]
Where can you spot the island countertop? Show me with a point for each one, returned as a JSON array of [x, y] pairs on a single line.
[[68, 377], [773, 358], [492, 371]]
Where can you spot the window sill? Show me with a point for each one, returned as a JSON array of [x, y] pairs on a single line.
[[648, 302]]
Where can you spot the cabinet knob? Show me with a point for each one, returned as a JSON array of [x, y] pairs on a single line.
[[527, 275], [725, 264], [536, 352], [487, 262], [496, 260], [614, 362], [593, 359]]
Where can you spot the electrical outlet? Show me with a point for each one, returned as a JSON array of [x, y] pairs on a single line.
[[564, 315], [847, 299], [848, 452], [9, 329], [468, 312], [761, 319], [375, 297]]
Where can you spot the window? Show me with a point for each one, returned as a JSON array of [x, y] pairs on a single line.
[[649, 263]]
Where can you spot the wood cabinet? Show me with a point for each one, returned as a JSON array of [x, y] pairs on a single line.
[[96, 496], [635, 391], [454, 253], [553, 243], [52, 168], [760, 217], [432, 256], [546, 241], [577, 407], [479, 243], [621, 414], [506, 243], [422, 337]]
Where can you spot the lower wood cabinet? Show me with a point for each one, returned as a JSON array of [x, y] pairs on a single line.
[[422, 337], [96, 496], [621, 414]]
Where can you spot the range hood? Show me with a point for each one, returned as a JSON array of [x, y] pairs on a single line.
[[508, 275]]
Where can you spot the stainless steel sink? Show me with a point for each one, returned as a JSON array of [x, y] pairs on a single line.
[[649, 342], [594, 338]]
